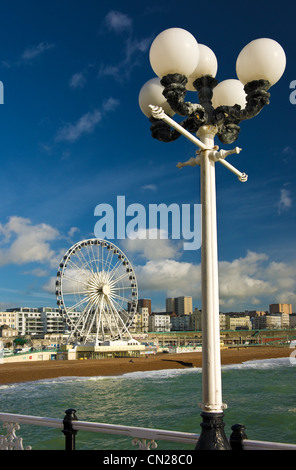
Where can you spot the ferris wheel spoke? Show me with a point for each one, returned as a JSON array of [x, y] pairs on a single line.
[[91, 316], [108, 318], [79, 320], [118, 317], [73, 279], [120, 297], [90, 258], [98, 321], [82, 268], [118, 279], [123, 287], [85, 263], [108, 260], [115, 314], [94, 256], [118, 306], [76, 266], [115, 269], [75, 293], [80, 302]]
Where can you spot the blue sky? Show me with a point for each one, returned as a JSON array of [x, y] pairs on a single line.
[[73, 137]]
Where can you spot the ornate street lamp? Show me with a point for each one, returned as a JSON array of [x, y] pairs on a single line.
[[182, 64]]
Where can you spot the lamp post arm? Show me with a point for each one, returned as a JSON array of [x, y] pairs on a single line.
[[227, 118], [158, 113]]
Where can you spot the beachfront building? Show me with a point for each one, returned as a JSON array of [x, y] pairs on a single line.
[[238, 322], [7, 332], [8, 318], [34, 321], [292, 321], [195, 320], [159, 321], [180, 322], [140, 322], [222, 321], [52, 321], [271, 322]]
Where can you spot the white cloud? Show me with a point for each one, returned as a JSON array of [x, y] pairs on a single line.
[[110, 104], [134, 48], [50, 286], [86, 124], [22, 242], [152, 244], [118, 22], [151, 187], [78, 80], [38, 272], [29, 54], [285, 201], [244, 283], [134, 45], [34, 51], [72, 231], [173, 277]]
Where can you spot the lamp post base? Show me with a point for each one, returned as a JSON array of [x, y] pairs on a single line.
[[212, 436]]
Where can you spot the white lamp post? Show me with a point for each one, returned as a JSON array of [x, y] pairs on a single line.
[[181, 64]]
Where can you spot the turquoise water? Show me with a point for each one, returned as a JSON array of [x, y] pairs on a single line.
[[259, 394]]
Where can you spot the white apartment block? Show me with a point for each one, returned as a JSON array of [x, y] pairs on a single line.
[[34, 321], [159, 322], [271, 322], [238, 322]]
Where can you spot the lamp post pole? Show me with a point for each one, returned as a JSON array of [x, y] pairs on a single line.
[[212, 406], [259, 65]]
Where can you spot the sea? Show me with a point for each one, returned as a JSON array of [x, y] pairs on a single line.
[[259, 394]]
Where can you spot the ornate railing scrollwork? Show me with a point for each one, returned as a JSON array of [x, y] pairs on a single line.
[[143, 444], [11, 441]]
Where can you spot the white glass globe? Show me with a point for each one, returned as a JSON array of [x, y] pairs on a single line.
[[207, 65], [228, 93], [151, 93], [175, 50], [261, 59]]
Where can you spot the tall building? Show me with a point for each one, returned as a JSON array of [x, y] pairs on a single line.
[[170, 305], [280, 308], [179, 305], [183, 305], [145, 303]]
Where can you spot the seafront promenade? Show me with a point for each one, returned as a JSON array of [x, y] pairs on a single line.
[[39, 370]]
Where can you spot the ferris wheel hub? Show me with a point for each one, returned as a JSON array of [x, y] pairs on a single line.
[[106, 289]]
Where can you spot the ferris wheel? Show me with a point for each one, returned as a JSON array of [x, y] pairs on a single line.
[[96, 291]]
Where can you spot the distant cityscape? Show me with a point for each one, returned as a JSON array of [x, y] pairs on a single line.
[[178, 316]]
